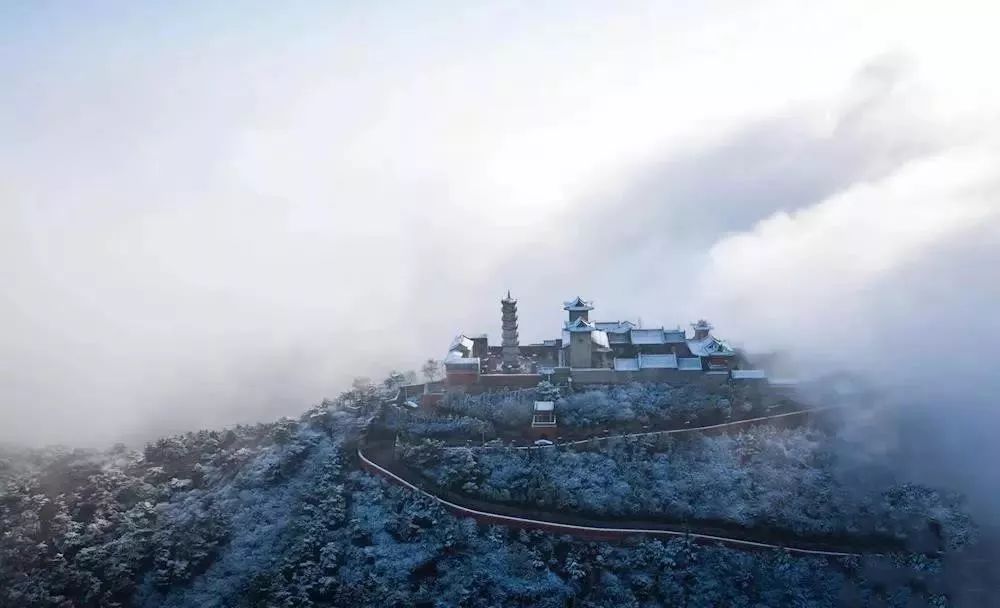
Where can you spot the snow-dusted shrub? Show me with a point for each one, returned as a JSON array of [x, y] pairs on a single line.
[[462, 427], [593, 408], [505, 409]]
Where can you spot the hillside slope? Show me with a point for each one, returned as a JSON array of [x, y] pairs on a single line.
[[279, 515]]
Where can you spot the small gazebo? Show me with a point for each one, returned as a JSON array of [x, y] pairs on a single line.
[[543, 419]]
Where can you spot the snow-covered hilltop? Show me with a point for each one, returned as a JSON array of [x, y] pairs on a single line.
[[281, 515]]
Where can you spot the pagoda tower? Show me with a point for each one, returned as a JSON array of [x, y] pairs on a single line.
[[511, 348], [702, 329]]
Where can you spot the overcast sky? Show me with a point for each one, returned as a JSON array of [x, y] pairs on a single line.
[[218, 212]]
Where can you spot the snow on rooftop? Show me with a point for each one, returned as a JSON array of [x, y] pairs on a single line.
[[657, 361], [674, 336], [618, 338], [614, 327], [700, 347], [749, 374], [461, 342], [544, 406], [579, 325], [626, 365], [578, 303], [708, 346], [689, 363], [648, 336], [456, 358], [600, 338]]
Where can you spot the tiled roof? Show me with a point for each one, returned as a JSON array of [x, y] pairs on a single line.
[[658, 361], [648, 336], [579, 325], [673, 336], [456, 360], [461, 343], [710, 346], [618, 338], [626, 365], [578, 303], [703, 325], [615, 327], [689, 363]]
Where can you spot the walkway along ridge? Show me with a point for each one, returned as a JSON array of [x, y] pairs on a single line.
[[581, 531], [678, 431]]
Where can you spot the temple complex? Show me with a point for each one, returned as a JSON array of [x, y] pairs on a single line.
[[592, 352]]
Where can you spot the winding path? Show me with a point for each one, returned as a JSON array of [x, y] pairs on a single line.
[[591, 529], [588, 531], [697, 429], [588, 528]]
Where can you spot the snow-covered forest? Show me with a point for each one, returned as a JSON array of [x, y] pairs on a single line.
[[799, 480], [649, 403], [634, 406], [279, 515]]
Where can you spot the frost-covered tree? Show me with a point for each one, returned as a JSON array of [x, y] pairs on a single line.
[[432, 369]]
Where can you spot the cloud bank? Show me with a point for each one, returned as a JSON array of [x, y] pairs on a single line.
[[213, 218]]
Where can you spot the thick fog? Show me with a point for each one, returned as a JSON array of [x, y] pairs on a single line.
[[215, 216]]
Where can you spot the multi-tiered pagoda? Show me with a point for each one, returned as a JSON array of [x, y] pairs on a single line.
[[511, 354]]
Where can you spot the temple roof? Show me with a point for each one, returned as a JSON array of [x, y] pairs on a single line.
[[674, 336], [618, 338], [626, 365], [580, 324], [578, 303], [648, 336], [658, 361], [615, 327], [710, 346], [461, 343], [689, 363], [456, 360]]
